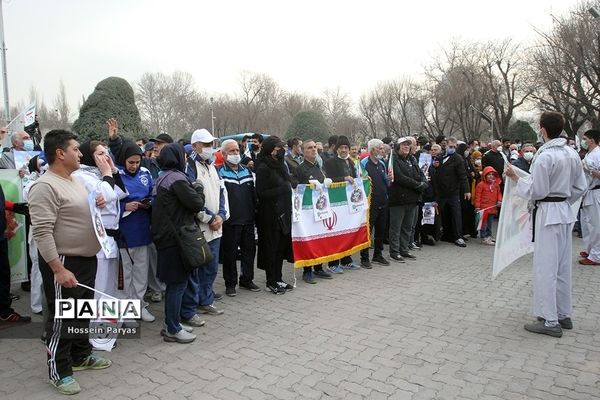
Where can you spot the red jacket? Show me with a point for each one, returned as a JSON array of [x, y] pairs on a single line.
[[487, 195]]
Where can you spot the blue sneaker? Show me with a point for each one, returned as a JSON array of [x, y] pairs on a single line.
[[351, 266], [336, 269]]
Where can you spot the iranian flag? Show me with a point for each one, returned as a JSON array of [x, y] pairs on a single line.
[[481, 217], [344, 233]]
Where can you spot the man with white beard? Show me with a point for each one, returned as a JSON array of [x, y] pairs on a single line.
[[556, 182], [590, 207]]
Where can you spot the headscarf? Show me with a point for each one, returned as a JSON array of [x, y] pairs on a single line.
[[129, 149], [87, 156], [172, 157]]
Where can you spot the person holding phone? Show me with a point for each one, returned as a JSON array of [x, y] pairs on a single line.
[[135, 224]]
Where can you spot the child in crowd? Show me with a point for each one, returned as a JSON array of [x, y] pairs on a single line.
[[488, 198]]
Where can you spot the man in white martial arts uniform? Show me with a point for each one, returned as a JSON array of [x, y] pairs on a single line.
[[556, 181], [590, 207]]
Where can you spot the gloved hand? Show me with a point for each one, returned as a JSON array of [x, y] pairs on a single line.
[[21, 208]]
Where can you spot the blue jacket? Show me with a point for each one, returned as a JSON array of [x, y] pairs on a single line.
[[241, 194], [379, 179], [136, 226]]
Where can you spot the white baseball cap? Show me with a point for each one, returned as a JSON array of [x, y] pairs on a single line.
[[203, 136]]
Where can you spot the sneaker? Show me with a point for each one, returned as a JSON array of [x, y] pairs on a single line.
[[286, 286], [460, 243], [414, 246], [487, 241], [15, 317], [231, 292], [67, 385], [350, 266], [251, 286], [337, 269], [14, 297], [366, 264], [492, 240], [380, 260], [194, 321], [565, 323], [409, 256], [147, 316], [156, 297], [397, 258], [308, 277], [275, 289], [182, 336], [541, 328], [93, 362], [210, 309], [187, 328], [218, 296], [321, 273]]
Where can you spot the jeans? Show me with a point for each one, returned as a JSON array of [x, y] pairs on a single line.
[[486, 230], [377, 221], [199, 290], [402, 220], [173, 299]]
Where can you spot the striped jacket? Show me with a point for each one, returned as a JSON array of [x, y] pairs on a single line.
[[241, 194]]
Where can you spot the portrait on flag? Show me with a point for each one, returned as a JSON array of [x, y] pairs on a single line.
[[342, 233]]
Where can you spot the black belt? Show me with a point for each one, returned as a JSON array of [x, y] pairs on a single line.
[[595, 187], [534, 213], [113, 233]]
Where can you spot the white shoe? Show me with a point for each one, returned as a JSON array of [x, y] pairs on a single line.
[[180, 337], [187, 328], [147, 316]]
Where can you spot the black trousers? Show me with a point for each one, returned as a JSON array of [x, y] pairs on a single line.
[[345, 261], [235, 236], [274, 254], [378, 219], [450, 207], [63, 347], [5, 301]]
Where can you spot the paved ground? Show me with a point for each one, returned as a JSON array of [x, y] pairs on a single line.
[[435, 328]]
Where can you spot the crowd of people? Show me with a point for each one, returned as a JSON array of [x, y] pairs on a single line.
[[240, 194]]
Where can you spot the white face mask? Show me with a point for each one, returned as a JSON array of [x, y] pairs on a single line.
[[207, 153], [234, 159], [478, 162], [476, 148], [528, 155]]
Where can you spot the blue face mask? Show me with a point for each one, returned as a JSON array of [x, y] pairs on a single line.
[[379, 157], [450, 150], [28, 145]]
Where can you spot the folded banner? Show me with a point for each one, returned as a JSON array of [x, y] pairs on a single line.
[[513, 239], [341, 234]]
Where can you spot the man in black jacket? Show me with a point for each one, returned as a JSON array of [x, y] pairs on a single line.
[[449, 182], [493, 158], [340, 169], [405, 191], [307, 171]]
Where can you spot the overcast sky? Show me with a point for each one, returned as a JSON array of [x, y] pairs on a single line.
[[305, 46]]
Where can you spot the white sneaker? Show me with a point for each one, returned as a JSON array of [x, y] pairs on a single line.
[[147, 316], [180, 337], [186, 328]]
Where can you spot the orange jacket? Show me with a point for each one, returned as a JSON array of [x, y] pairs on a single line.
[[487, 195]]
